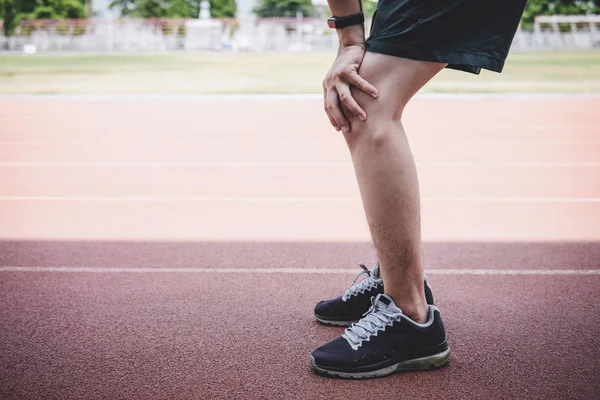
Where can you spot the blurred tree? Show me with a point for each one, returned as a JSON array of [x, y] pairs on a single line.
[[178, 9], [13, 11], [7, 13], [369, 7], [222, 8], [152, 8], [172, 8], [127, 8], [283, 8], [74, 9]]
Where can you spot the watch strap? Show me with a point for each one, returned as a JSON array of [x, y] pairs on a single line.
[[342, 22]]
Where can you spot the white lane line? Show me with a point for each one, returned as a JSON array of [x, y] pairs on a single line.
[[422, 94], [19, 164], [234, 199], [146, 143], [553, 127], [181, 199], [175, 164], [246, 143], [323, 271], [538, 142], [288, 143], [38, 143], [586, 164]]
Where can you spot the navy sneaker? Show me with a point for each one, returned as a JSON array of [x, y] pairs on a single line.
[[349, 308], [384, 342]]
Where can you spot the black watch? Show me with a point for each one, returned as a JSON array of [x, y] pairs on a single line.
[[342, 22]]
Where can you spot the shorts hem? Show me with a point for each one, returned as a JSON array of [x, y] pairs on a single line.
[[463, 61]]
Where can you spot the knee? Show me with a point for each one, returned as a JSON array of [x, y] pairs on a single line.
[[383, 121], [388, 107], [372, 135]]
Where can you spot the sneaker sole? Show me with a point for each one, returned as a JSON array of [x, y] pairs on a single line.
[[418, 364], [333, 322]]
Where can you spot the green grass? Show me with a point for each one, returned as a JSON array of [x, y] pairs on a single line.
[[202, 73]]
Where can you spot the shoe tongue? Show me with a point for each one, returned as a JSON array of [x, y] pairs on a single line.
[[385, 302], [375, 271]]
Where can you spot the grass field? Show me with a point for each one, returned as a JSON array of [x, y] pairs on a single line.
[[206, 73]]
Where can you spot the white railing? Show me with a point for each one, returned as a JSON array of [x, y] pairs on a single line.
[[252, 34], [185, 34], [566, 32]]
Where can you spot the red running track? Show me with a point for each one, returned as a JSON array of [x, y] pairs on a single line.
[[163, 248]]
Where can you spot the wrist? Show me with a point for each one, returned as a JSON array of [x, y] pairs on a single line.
[[352, 36]]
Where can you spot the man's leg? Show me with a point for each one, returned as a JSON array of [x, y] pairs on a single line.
[[387, 177]]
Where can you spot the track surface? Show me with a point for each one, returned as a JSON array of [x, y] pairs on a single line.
[[174, 248]]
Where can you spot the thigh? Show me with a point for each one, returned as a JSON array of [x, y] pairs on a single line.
[[396, 79]]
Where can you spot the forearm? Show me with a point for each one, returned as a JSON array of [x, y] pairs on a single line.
[[350, 35]]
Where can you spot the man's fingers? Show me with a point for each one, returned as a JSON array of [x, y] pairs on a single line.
[[333, 123], [332, 106], [360, 83], [347, 100], [331, 120]]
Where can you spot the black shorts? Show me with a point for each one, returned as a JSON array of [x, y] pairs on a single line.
[[468, 35]]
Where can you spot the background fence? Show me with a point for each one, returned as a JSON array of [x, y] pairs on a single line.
[[250, 34]]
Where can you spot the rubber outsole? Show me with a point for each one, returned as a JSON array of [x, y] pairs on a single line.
[[333, 323], [432, 362]]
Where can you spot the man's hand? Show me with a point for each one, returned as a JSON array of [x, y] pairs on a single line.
[[336, 86]]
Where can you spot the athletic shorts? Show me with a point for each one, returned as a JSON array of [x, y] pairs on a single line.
[[468, 35]]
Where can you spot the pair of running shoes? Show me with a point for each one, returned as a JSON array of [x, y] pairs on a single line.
[[379, 339]]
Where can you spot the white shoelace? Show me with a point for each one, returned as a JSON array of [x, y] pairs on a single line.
[[375, 320], [366, 284]]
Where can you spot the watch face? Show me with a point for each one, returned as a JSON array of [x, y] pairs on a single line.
[[331, 23]]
